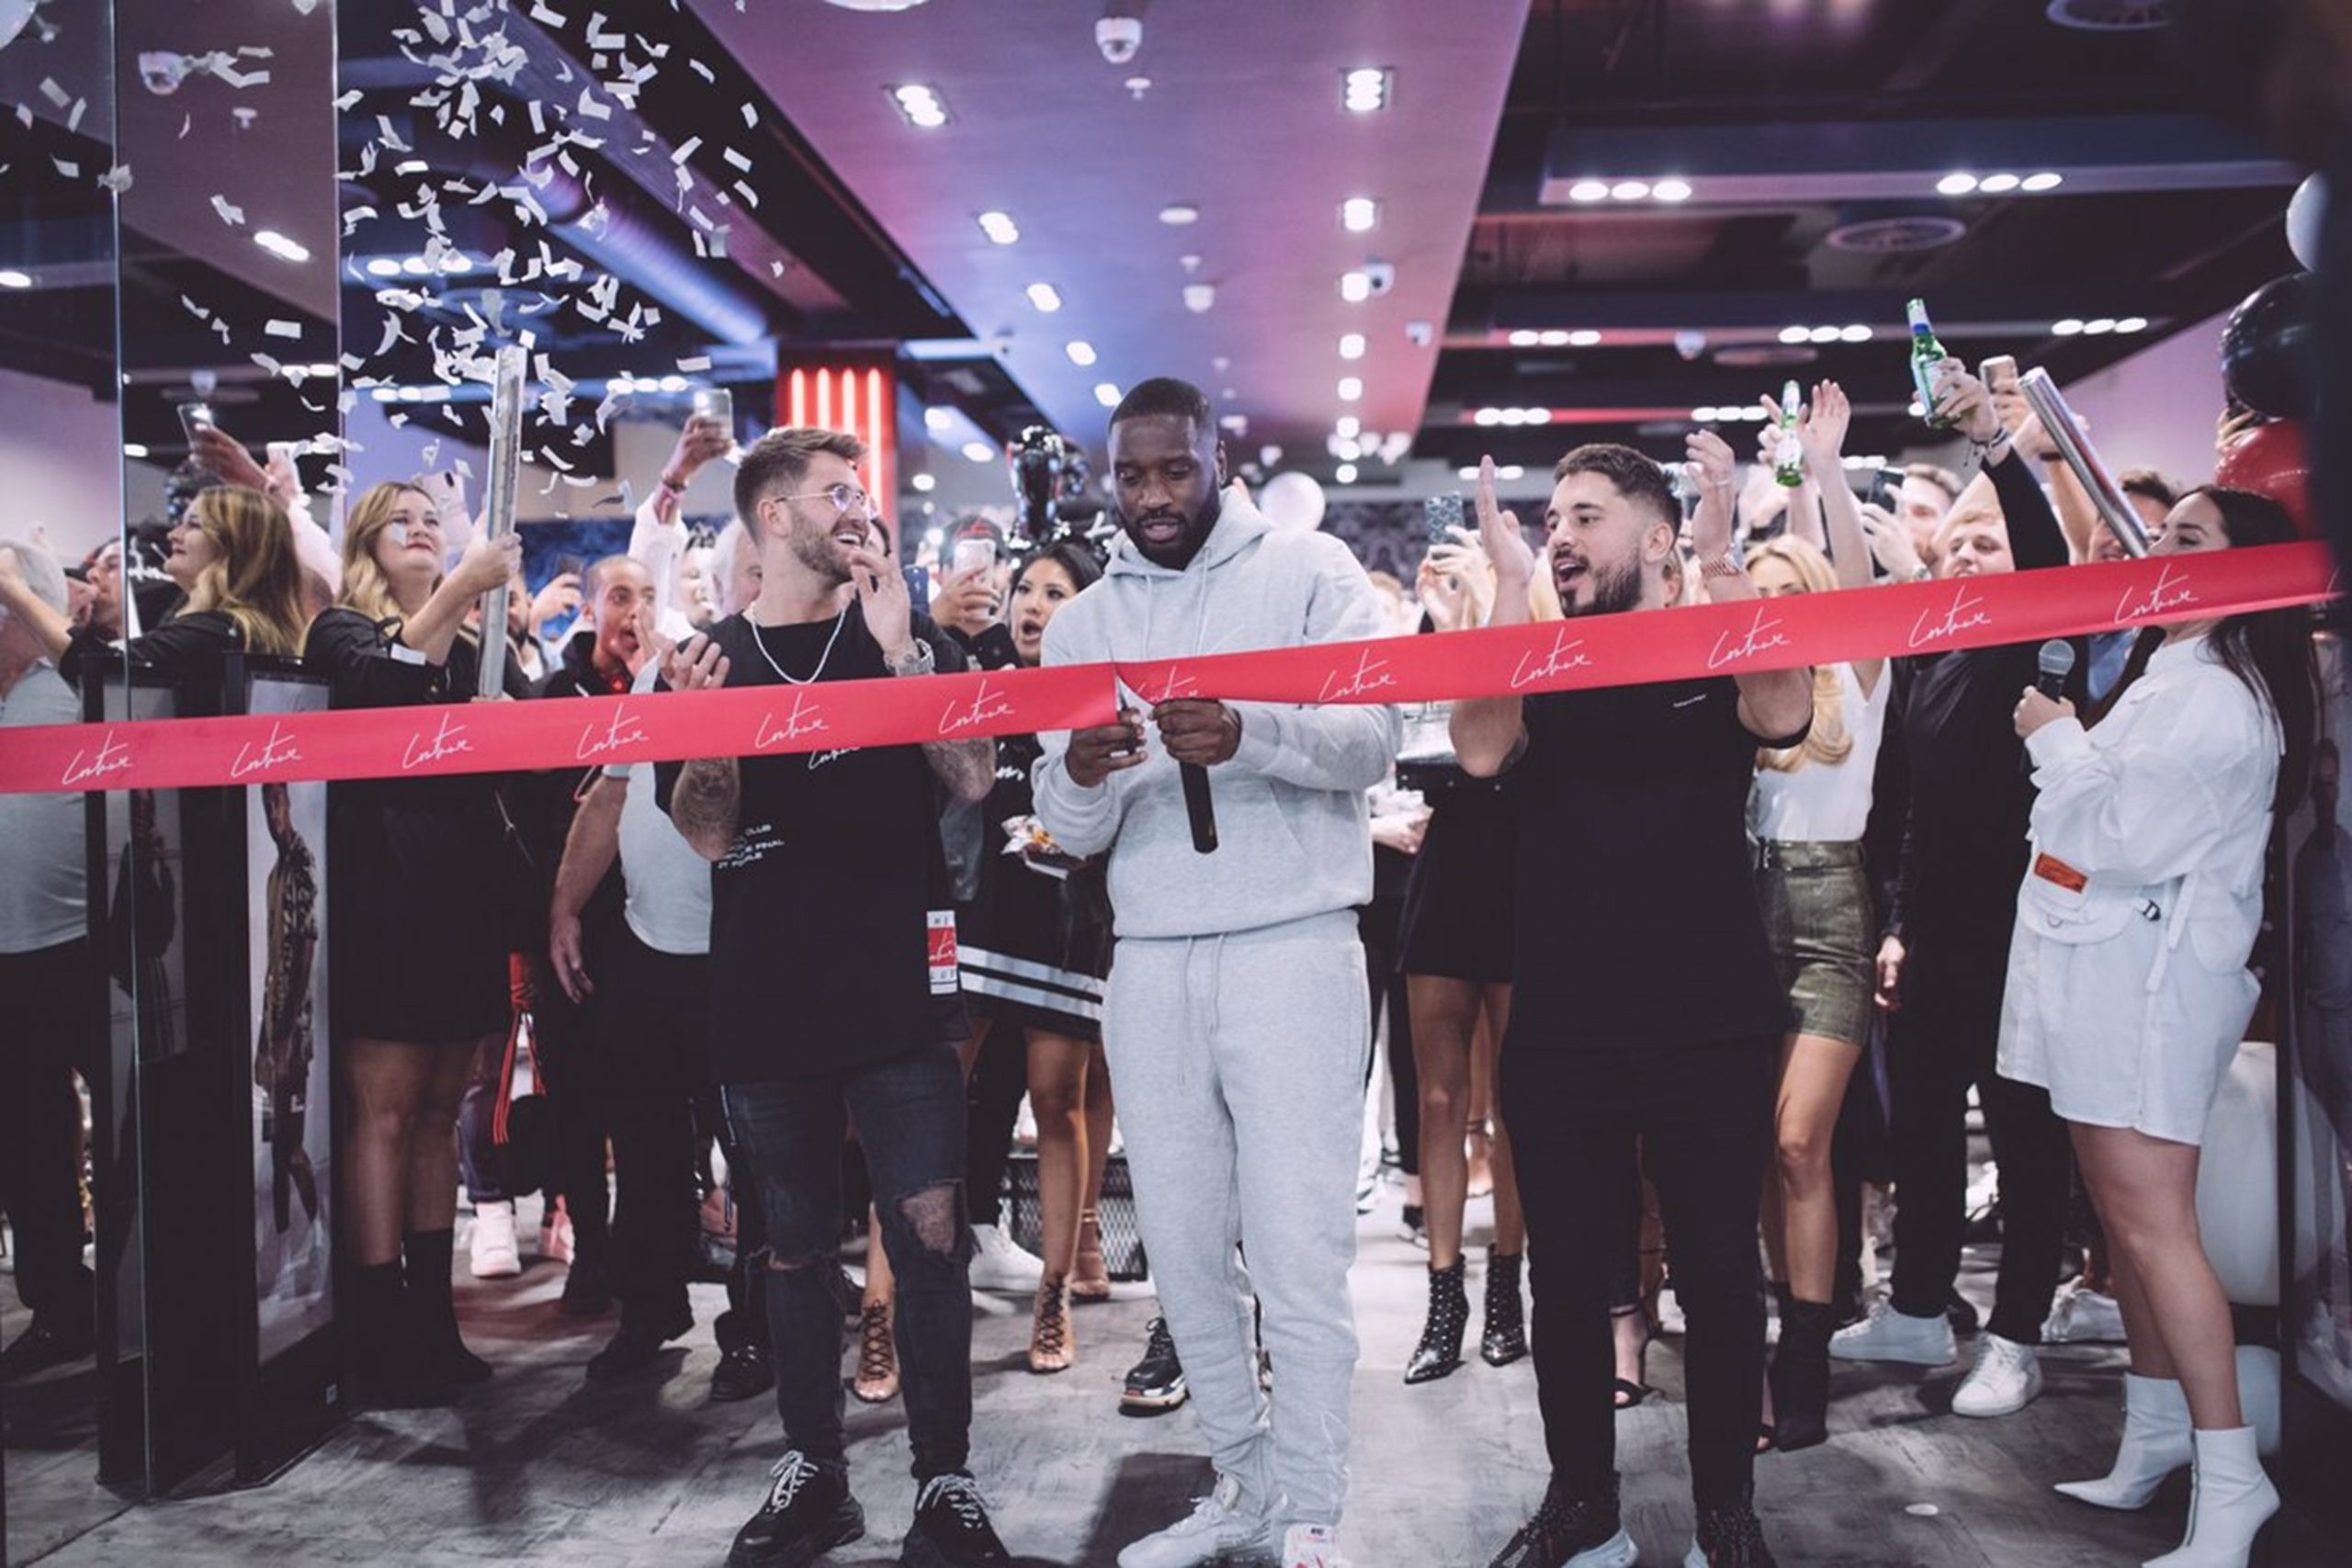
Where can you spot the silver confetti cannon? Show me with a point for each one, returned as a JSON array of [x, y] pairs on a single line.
[[2114, 508], [505, 475]]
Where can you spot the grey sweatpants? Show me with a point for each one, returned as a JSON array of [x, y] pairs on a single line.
[[1238, 1065]]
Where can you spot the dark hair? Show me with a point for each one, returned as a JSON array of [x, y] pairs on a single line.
[[1943, 479], [1637, 478], [778, 460], [1165, 394], [1073, 557], [2151, 484]]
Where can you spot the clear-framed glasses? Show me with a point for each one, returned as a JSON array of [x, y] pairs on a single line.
[[848, 500]]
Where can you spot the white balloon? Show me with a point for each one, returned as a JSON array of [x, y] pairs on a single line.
[[1293, 501], [2303, 216], [14, 14]]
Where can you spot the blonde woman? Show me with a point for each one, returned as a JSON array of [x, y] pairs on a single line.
[[233, 558], [1806, 815], [423, 881]]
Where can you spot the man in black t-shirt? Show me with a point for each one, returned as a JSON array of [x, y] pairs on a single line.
[[1644, 1001], [832, 949]]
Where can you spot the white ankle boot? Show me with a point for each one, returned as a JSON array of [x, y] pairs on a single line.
[[2232, 1500], [2156, 1443]]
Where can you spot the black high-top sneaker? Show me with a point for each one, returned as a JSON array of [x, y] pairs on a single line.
[[1155, 1384], [808, 1512], [1440, 1352], [951, 1528], [1729, 1538], [1570, 1532]]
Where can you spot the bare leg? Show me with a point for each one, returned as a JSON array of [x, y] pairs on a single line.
[[1443, 1014], [1814, 1071], [1058, 1095], [1480, 1126], [385, 1082], [2147, 1192], [1090, 1279], [431, 1193], [1510, 1221]]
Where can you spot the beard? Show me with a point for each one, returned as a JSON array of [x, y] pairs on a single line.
[[1197, 524], [813, 547], [1614, 590]]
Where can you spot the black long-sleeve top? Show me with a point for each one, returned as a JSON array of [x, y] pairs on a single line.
[[1971, 795], [187, 649]]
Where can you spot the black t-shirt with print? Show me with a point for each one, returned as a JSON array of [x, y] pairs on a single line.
[[819, 951], [1637, 920]]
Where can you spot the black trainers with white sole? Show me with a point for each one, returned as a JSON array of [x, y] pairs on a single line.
[[807, 1512], [1156, 1384]]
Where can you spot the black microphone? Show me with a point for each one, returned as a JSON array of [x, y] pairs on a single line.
[[1201, 811], [2056, 660]]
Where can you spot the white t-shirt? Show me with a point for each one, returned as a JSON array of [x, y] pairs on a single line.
[[1821, 803], [669, 884], [43, 881]]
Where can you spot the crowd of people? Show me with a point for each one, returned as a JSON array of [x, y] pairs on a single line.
[[1630, 950]]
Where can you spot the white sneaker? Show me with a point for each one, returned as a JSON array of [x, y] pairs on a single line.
[[493, 1252], [1891, 1335], [555, 1236], [999, 1263], [1215, 1527], [2005, 1378], [1311, 1545], [2084, 1317]]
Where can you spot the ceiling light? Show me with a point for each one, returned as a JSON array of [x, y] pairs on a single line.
[[1583, 337], [417, 266], [1106, 394], [1468, 473], [1364, 90], [12, 278], [2068, 327], [938, 418], [923, 482], [1080, 352], [129, 448], [1487, 416], [1046, 297], [979, 451], [1180, 213], [2044, 181], [1000, 227], [1535, 416], [1350, 389], [383, 394], [1855, 333], [1345, 473], [1358, 214], [1526, 337], [321, 369], [1706, 415], [384, 266], [1511, 416], [1346, 449], [920, 106], [1629, 190], [1351, 346], [1556, 337], [1956, 185], [1671, 190], [2098, 326], [1348, 427], [1355, 288], [1794, 334], [1511, 471], [278, 245], [1589, 190], [673, 383], [2132, 325], [1999, 184], [1823, 334]]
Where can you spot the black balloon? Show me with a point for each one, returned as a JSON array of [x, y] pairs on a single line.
[[2270, 348]]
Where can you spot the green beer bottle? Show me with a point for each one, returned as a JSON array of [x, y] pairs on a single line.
[[1925, 353], [1788, 453]]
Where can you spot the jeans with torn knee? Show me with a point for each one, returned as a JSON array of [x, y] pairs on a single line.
[[909, 1111]]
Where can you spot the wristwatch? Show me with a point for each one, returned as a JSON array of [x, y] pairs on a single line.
[[1724, 565], [922, 661]]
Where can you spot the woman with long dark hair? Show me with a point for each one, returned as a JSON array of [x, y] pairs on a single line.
[[2128, 991]]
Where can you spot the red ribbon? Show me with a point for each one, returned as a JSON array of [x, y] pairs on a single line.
[[1611, 650]]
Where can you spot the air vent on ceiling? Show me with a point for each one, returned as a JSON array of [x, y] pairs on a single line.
[[2110, 15], [1759, 356], [1895, 236]]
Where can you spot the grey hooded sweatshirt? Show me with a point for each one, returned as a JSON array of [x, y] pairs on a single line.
[[1295, 838]]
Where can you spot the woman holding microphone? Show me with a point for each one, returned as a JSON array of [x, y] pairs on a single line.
[[2129, 992]]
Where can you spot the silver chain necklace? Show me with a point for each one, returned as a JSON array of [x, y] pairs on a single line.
[[782, 674]]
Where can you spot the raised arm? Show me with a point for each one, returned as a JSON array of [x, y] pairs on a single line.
[[1489, 733], [1776, 706]]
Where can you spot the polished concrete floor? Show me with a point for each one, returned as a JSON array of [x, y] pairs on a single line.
[[542, 1467]]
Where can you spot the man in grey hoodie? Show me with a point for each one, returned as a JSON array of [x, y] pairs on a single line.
[[1235, 1015]]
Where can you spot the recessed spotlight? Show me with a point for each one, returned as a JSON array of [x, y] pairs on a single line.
[[1823, 334], [1671, 190], [383, 267], [1511, 416], [1348, 427], [2068, 327], [417, 266], [1999, 184], [1046, 297], [1080, 352], [1351, 346], [1795, 334], [979, 451], [937, 418], [281, 247], [1355, 288], [1358, 214], [1107, 394], [921, 105], [1855, 333], [1000, 227], [1178, 213], [1556, 337], [673, 383], [1535, 416], [1487, 417], [1365, 89], [1511, 471], [1956, 185], [1589, 190], [2132, 325], [1525, 337], [1346, 449], [1468, 473], [456, 262], [12, 278], [2043, 181], [2098, 326], [321, 369], [384, 394], [1583, 337], [1707, 413], [1629, 190], [1350, 389], [923, 482], [1345, 473], [129, 448]]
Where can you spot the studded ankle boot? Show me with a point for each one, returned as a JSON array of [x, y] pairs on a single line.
[[1440, 1352], [1502, 1334]]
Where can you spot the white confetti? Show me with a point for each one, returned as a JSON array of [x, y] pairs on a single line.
[[705, 71], [228, 213], [686, 150], [750, 117], [67, 167], [539, 13], [699, 362], [736, 158], [116, 179], [58, 97], [275, 328]]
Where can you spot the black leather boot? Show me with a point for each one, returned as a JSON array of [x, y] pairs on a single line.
[[1800, 1375], [1502, 1334], [1440, 1352]]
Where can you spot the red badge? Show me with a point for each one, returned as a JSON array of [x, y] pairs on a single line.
[[941, 930], [2050, 868]]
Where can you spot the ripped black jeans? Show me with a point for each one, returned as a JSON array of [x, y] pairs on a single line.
[[909, 1116]]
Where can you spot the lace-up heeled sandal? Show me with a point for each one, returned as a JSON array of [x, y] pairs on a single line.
[[878, 1355]]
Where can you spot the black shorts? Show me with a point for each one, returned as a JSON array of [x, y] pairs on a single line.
[[1457, 922]]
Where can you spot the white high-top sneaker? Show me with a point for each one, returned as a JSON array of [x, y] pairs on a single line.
[[2005, 1378], [492, 1248], [2156, 1443], [1217, 1526], [2232, 1501], [1311, 1545], [999, 1263], [1891, 1335]]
